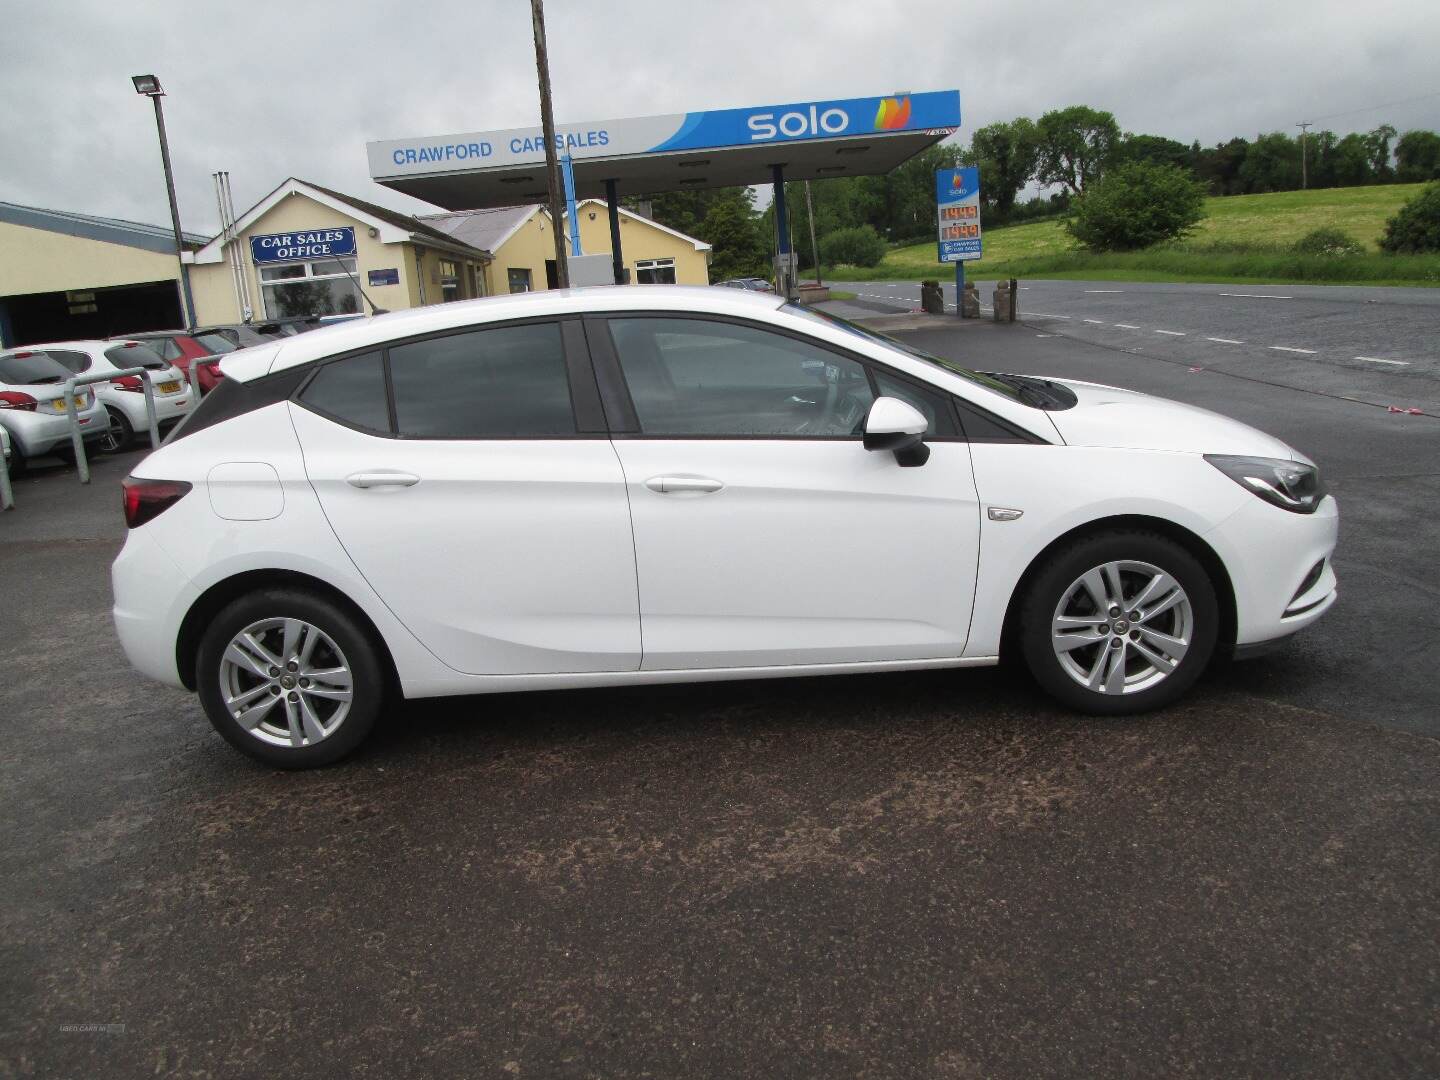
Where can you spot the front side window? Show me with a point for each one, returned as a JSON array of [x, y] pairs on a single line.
[[932, 403], [506, 382], [351, 390], [655, 271], [697, 378], [323, 287]]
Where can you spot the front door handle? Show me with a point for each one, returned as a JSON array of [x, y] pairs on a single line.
[[675, 485], [382, 478]]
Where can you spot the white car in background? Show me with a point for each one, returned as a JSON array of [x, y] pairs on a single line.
[[602, 487], [124, 395], [32, 408]]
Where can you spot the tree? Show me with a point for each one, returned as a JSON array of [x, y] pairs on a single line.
[[1006, 156], [1136, 204], [1377, 144], [1156, 149], [1415, 229], [853, 247], [1417, 157], [1075, 146], [1351, 162], [1272, 163], [1219, 168], [732, 228]]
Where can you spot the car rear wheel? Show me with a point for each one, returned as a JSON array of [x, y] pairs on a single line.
[[120, 434], [1119, 622], [290, 679]]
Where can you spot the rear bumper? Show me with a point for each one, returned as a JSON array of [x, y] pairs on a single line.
[[41, 433], [151, 598]]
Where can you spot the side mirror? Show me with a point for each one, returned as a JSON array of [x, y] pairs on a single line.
[[900, 427]]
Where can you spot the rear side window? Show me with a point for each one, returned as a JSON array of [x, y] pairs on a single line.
[[351, 390], [215, 344], [135, 356], [30, 368], [508, 382]]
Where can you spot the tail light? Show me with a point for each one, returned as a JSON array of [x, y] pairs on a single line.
[[129, 382], [148, 499], [12, 399]]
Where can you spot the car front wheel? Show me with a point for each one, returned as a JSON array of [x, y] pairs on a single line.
[[290, 679], [1119, 622]]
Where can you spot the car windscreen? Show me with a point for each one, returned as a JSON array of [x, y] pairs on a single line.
[[30, 368], [215, 344], [951, 366], [135, 354]]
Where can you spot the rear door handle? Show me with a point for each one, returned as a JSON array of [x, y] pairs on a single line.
[[674, 485], [382, 478]]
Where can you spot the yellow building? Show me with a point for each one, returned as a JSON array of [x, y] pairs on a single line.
[[522, 243], [306, 250], [66, 276], [302, 250]]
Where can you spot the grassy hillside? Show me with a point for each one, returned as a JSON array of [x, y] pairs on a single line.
[[1242, 238]]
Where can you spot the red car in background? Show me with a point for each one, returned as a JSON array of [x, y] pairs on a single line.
[[182, 349]]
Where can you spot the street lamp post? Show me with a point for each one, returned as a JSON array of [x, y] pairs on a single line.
[[149, 86]]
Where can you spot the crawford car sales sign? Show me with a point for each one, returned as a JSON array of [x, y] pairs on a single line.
[[299, 246]]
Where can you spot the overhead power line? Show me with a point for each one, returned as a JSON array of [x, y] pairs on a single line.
[[1372, 108]]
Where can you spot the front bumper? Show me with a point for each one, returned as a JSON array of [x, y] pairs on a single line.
[[1271, 556]]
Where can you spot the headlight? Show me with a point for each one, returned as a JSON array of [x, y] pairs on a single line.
[[1290, 485]]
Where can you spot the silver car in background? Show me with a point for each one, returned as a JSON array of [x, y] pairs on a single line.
[[32, 408]]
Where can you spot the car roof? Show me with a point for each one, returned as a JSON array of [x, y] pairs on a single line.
[[329, 340], [80, 343]]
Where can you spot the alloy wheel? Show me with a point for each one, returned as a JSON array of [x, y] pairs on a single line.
[[286, 682], [1122, 627]]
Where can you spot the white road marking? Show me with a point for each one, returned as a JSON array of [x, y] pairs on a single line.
[[1127, 326], [1042, 315], [1097, 322], [1291, 348], [1172, 333], [1382, 360], [1257, 295], [1225, 340], [1104, 290]]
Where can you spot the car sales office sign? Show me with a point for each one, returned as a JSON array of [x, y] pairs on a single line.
[[300, 246], [957, 193]]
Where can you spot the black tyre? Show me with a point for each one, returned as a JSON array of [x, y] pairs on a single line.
[[290, 679], [1119, 622], [120, 435]]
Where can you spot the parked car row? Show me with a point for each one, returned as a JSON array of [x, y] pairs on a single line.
[[112, 414]]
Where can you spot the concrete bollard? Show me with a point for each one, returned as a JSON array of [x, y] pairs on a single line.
[[1002, 302], [970, 302], [932, 299]]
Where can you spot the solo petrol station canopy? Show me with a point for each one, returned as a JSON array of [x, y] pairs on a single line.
[[809, 140]]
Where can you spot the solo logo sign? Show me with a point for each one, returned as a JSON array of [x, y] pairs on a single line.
[[893, 114]]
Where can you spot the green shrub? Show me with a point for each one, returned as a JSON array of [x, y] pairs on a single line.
[[860, 246], [1327, 242], [1136, 205], [1415, 229]]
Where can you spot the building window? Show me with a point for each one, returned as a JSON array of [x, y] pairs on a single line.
[[449, 281], [655, 271], [519, 280], [310, 288]]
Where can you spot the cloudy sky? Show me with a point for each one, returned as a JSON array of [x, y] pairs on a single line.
[[268, 89]]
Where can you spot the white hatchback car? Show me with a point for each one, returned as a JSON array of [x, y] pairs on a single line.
[[124, 396], [32, 408], [659, 484]]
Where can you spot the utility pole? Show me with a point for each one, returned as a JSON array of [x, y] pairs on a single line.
[[1304, 126], [552, 162], [810, 217]]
